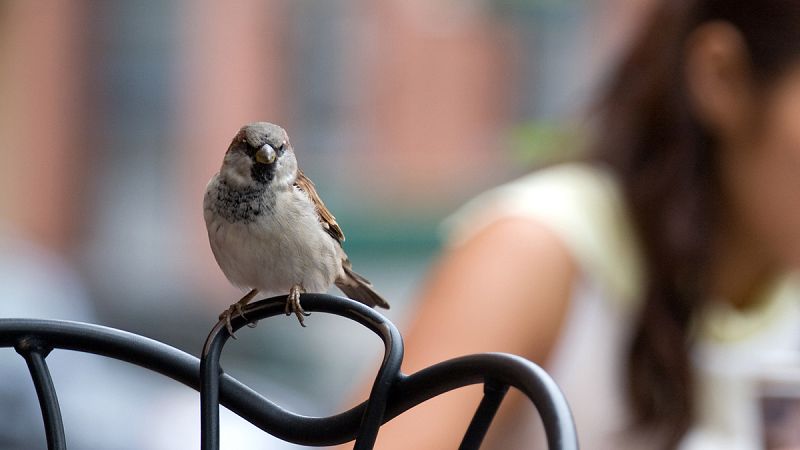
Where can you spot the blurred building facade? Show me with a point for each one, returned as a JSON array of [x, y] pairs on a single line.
[[116, 113]]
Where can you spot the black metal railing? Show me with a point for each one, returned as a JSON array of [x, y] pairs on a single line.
[[392, 392]]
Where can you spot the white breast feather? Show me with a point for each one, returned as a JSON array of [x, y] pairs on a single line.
[[283, 247]]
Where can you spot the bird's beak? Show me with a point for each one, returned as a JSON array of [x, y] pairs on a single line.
[[266, 154]]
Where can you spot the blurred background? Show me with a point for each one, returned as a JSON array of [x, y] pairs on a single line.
[[115, 114]]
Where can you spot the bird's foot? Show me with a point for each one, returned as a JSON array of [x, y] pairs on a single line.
[[226, 316], [293, 304], [238, 308]]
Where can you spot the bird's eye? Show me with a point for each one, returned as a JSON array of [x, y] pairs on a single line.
[[282, 146]]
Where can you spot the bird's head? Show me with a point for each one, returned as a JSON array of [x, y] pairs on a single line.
[[260, 154]]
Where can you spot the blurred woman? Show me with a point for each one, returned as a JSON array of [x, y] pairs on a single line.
[[654, 278]]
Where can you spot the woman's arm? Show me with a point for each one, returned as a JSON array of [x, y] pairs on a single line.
[[506, 289]]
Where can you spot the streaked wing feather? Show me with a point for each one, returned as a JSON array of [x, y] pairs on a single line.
[[327, 219]]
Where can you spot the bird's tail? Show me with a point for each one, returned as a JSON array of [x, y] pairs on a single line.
[[359, 288]]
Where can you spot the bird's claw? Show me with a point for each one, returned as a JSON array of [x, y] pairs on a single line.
[[293, 305], [226, 316], [238, 308]]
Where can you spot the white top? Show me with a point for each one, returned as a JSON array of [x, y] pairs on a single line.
[[583, 205]]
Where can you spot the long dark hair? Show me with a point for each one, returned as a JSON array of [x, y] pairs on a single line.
[[666, 162]]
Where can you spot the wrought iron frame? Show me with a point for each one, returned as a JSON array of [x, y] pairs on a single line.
[[392, 392]]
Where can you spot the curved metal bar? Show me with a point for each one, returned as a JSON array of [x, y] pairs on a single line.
[[35, 354], [210, 372], [373, 414], [502, 368], [493, 394], [404, 392]]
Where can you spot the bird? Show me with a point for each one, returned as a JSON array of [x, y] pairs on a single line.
[[269, 230]]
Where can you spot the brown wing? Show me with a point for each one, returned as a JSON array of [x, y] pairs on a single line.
[[325, 217]]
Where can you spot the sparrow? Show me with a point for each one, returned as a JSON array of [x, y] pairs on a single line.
[[269, 230]]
